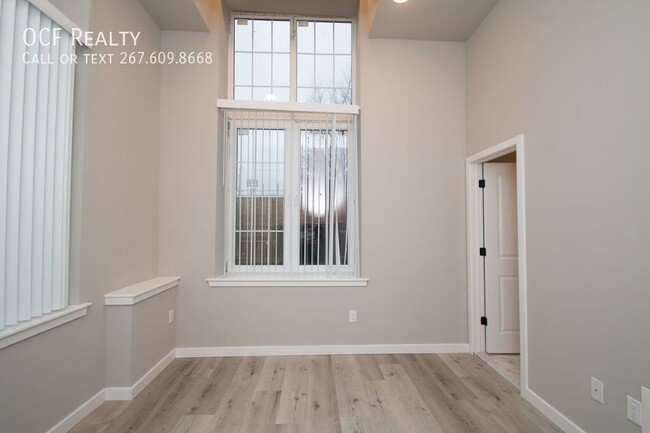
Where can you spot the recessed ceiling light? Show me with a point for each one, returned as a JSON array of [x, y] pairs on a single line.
[[400, 1]]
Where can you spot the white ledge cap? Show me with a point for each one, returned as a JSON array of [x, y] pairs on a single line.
[[135, 293]]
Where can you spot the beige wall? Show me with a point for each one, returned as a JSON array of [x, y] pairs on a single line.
[[573, 77], [138, 337], [115, 223], [189, 173], [412, 96], [153, 336]]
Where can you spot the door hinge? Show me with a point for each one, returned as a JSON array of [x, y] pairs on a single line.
[[481, 183], [483, 321], [482, 251]]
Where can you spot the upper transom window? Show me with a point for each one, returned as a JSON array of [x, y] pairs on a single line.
[[292, 59]]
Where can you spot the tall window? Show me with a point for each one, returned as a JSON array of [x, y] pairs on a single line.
[[293, 60], [291, 170], [35, 152], [291, 181]]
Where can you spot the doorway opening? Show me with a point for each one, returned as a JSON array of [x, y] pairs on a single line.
[[497, 259]]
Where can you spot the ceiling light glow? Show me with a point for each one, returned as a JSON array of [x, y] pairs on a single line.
[[400, 1]]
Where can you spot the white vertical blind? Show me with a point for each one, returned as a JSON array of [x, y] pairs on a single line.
[[36, 86], [291, 182]]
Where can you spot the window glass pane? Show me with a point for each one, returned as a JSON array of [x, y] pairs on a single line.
[[243, 93], [306, 95], [315, 95], [343, 96], [324, 71], [324, 38], [305, 70], [323, 198], [323, 96], [281, 70], [281, 36], [305, 37], [262, 35], [259, 198], [269, 67], [262, 94], [243, 35], [343, 38], [261, 69], [243, 69], [343, 71], [269, 247], [282, 94]]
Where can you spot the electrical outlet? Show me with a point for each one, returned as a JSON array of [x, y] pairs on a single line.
[[634, 410], [171, 316], [352, 316], [597, 390]]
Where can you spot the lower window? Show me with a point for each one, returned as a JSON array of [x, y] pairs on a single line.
[[292, 194]]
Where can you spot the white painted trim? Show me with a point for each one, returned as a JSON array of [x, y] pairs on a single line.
[[550, 412], [497, 150], [56, 15], [366, 349], [248, 281], [67, 423], [131, 295], [25, 330], [294, 107], [130, 392], [474, 265]]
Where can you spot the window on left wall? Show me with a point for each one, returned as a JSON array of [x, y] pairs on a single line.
[[36, 98]]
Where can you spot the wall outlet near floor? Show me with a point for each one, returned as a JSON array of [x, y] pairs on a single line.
[[634, 410], [171, 316], [597, 390], [352, 316]]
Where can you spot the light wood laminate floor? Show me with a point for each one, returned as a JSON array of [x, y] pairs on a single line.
[[323, 394]]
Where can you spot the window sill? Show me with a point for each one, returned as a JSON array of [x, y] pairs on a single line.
[[38, 325], [275, 281]]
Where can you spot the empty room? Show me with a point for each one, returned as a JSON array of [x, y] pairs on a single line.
[[324, 216]]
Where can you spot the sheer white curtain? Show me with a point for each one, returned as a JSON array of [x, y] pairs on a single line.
[[291, 178], [36, 87]]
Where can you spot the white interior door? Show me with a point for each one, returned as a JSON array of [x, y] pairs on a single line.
[[501, 259]]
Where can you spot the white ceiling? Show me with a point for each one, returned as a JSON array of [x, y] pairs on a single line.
[[329, 8], [432, 20]]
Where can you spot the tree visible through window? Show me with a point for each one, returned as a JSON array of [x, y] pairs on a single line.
[[293, 60]]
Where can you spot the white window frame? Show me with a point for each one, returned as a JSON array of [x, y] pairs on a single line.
[[291, 273], [231, 198], [295, 213], [293, 55]]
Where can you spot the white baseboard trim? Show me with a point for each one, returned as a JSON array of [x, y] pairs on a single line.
[[557, 417], [366, 349], [80, 413], [129, 392]]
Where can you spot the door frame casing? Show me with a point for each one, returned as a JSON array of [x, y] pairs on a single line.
[[474, 242]]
